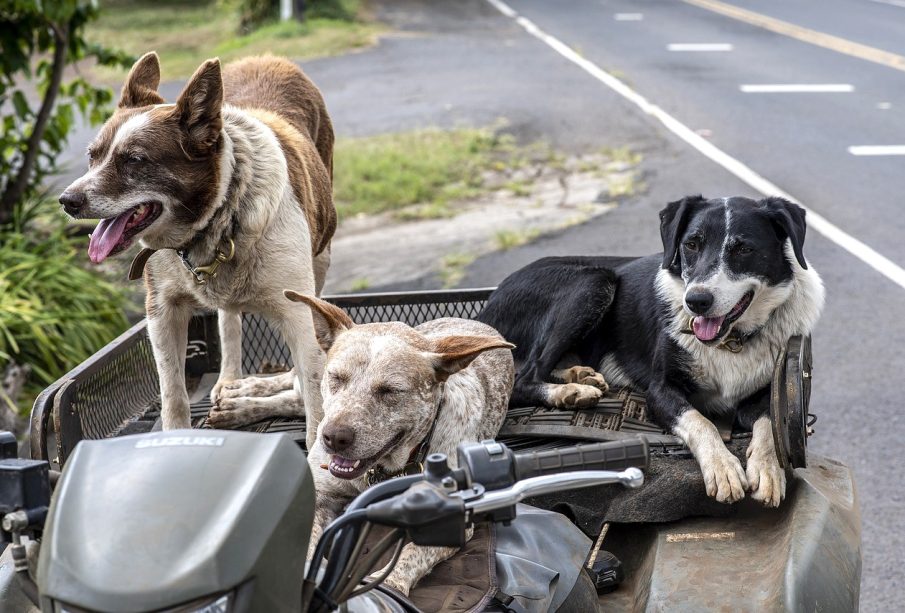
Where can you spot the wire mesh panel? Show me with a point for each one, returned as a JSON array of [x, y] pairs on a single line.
[[119, 384], [264, 349]]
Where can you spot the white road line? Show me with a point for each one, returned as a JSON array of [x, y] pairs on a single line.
[[877, 150], [898, 3], [628, 16], [816, 221], [797, 88], [699, 47]]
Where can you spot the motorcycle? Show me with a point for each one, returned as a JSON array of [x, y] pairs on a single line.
[[219, 521]]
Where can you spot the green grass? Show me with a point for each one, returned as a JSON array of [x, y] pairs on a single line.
[[360, 285], [452, 268], [508, 239], [428, 167], [185, 33]]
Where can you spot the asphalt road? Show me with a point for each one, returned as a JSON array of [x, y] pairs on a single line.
[[464, 62], [799, 141]]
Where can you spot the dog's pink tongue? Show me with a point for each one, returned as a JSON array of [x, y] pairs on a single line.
[[706, 328], [343, 462], [106, 235]]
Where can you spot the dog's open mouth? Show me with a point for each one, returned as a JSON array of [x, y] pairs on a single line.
[[349, 468], [709, 329], [114, 234]]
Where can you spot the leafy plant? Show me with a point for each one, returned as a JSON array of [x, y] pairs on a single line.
[[392, 171], [53, 312], [38, 40]]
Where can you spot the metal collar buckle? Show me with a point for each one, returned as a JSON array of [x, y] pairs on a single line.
[[209, 271], [377, 474]]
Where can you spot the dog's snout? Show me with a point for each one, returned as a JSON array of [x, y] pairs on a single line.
[[73, 201], [699, 302], [338, 438]]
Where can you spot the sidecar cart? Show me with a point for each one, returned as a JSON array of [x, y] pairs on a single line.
[[672, 547]]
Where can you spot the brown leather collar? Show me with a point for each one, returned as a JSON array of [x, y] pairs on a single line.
[[137, 268]]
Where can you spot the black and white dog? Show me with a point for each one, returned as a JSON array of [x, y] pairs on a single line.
[[698, 327]]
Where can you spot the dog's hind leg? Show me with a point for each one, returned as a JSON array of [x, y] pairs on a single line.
[[321, 264], [168, 330], [229, 324], [581, 387], [232, 412], [256, 387], [584, 375]]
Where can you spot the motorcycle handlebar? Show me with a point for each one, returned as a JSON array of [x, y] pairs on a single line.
[[631, 477], [616, 455]]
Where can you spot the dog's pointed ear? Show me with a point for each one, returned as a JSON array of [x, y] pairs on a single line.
[[789, 220], [141, 85], [673, 221], [453, 353], [329, 321], [199, 107]]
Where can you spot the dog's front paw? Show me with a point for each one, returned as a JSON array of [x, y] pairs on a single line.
[[574, 396], [584, 375], [766, 478], [218, 389], [230, 413], [724, 477]]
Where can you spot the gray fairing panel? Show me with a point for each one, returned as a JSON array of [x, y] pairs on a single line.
[[146, 522], [539, 557]]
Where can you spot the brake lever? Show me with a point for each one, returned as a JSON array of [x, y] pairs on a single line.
[[547, 484]]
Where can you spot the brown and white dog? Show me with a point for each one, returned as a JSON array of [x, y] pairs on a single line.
[[230, 190], [385, 387]]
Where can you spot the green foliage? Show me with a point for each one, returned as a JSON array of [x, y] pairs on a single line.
[[386, 172], [254, 13], [38, 39], [53, 313]]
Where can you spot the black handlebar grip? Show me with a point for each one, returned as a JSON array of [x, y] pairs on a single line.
[[617, 455]]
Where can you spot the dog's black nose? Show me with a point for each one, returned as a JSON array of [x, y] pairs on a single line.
[[699, 302], [338, 438], [73, 201]]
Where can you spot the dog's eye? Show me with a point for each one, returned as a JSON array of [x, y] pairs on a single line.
[[337, 380], [386, 390], [135, 158], [692, 245], [744, 250]]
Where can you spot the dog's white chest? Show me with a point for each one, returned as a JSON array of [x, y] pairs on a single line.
[[726, 377]]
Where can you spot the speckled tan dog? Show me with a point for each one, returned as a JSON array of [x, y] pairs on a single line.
[[384, 386]]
